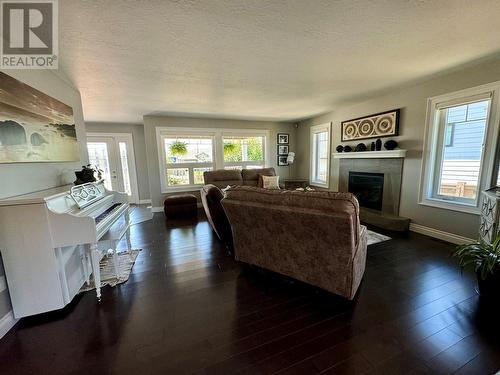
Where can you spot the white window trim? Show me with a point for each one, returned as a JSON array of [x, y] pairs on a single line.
[[431, 138], [217, 157], [317, 129], [243, 133]]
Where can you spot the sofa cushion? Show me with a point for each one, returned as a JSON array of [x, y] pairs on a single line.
[[251, 176], [223, 177], [270, 182]]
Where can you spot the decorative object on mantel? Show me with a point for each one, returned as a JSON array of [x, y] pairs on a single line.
[[373, 147], [87, 174], [347, 148], [339, 148], [378, 144], [383, 124], [360, 147], [390, 144]]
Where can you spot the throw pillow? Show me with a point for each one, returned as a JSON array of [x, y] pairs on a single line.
[[270, 182]]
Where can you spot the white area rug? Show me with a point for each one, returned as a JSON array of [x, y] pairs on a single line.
[[126, 260], [374, 237]]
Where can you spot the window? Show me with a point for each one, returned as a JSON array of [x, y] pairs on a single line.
[[185, 154], [320, 155], [460, 145], [186, 158], [243, 152]]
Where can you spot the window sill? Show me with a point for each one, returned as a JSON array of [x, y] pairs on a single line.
[[452, 206], [318, 184]]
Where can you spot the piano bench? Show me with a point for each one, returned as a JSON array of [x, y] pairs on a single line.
[[181, 205]]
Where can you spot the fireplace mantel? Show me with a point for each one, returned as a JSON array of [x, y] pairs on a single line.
[[370, 154]]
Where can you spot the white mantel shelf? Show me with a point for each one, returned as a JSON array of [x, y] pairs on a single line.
[[370, 154]]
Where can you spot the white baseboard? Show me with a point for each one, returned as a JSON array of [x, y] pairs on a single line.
[[145, 201], [439, 234], [6, 323], [3, 283]]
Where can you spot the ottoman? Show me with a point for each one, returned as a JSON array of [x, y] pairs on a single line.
[[181, 205]]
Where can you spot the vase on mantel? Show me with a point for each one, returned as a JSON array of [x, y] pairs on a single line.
[[378, 145]]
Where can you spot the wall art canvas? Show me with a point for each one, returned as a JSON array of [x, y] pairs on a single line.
[[34, 127], [385, 124]]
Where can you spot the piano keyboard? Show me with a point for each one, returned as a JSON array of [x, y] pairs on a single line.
[[105, 214]]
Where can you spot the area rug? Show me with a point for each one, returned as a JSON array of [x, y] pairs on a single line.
[[126, 260], [374, 237]]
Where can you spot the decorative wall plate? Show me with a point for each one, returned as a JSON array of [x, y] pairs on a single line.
[[385, 124]]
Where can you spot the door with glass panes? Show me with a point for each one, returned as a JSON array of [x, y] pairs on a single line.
[[114, 155]]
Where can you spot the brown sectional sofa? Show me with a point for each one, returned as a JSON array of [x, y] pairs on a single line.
[[211, 196], [315, 237]]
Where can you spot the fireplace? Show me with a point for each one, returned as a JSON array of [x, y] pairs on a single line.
[[368, 188]]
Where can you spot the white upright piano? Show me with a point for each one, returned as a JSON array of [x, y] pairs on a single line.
[[53, 240]]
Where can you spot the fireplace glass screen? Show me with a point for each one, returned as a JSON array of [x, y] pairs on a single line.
[[368, 188]]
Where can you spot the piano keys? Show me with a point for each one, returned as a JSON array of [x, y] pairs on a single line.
[[53, 240]]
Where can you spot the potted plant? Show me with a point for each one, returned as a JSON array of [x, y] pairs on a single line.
[[229, 148], [178, 148], [485, 258], [88, 174]]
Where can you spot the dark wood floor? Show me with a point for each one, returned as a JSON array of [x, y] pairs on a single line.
[[188, 307]]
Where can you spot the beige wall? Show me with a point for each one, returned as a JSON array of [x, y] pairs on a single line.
[[21, 178], [412, 101], [137, 131], [151, 122]]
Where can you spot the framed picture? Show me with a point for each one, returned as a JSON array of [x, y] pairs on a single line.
[[282, 160], [283, 150], [385, 124], [283, 138], [34, 127]]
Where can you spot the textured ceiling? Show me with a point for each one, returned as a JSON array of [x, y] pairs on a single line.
[[260, 59]]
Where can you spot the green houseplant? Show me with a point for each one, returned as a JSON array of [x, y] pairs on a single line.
[[178, 148], [485, 258]]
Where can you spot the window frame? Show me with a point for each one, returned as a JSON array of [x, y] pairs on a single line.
[[245, 134], [434, 146], [164, 165], [313, 160], [217, 135]]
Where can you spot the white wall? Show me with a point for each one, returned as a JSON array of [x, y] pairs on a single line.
[[151, 122], [412, 101], [137, 131], [21, 178]]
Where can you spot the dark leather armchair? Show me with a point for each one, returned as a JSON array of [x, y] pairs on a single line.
[[211, 197]]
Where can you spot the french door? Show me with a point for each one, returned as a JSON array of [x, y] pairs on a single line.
[[113, 153]]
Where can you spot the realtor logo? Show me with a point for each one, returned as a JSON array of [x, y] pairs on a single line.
[[29, 34]]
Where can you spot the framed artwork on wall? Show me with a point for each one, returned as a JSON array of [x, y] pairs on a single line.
[[283, 150], [384, 124], [283, 138], [34, 127], [282, 161]]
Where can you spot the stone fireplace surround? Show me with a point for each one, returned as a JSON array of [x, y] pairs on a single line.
[[391, 165]]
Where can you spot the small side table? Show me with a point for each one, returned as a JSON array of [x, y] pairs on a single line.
[[295, 183]]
